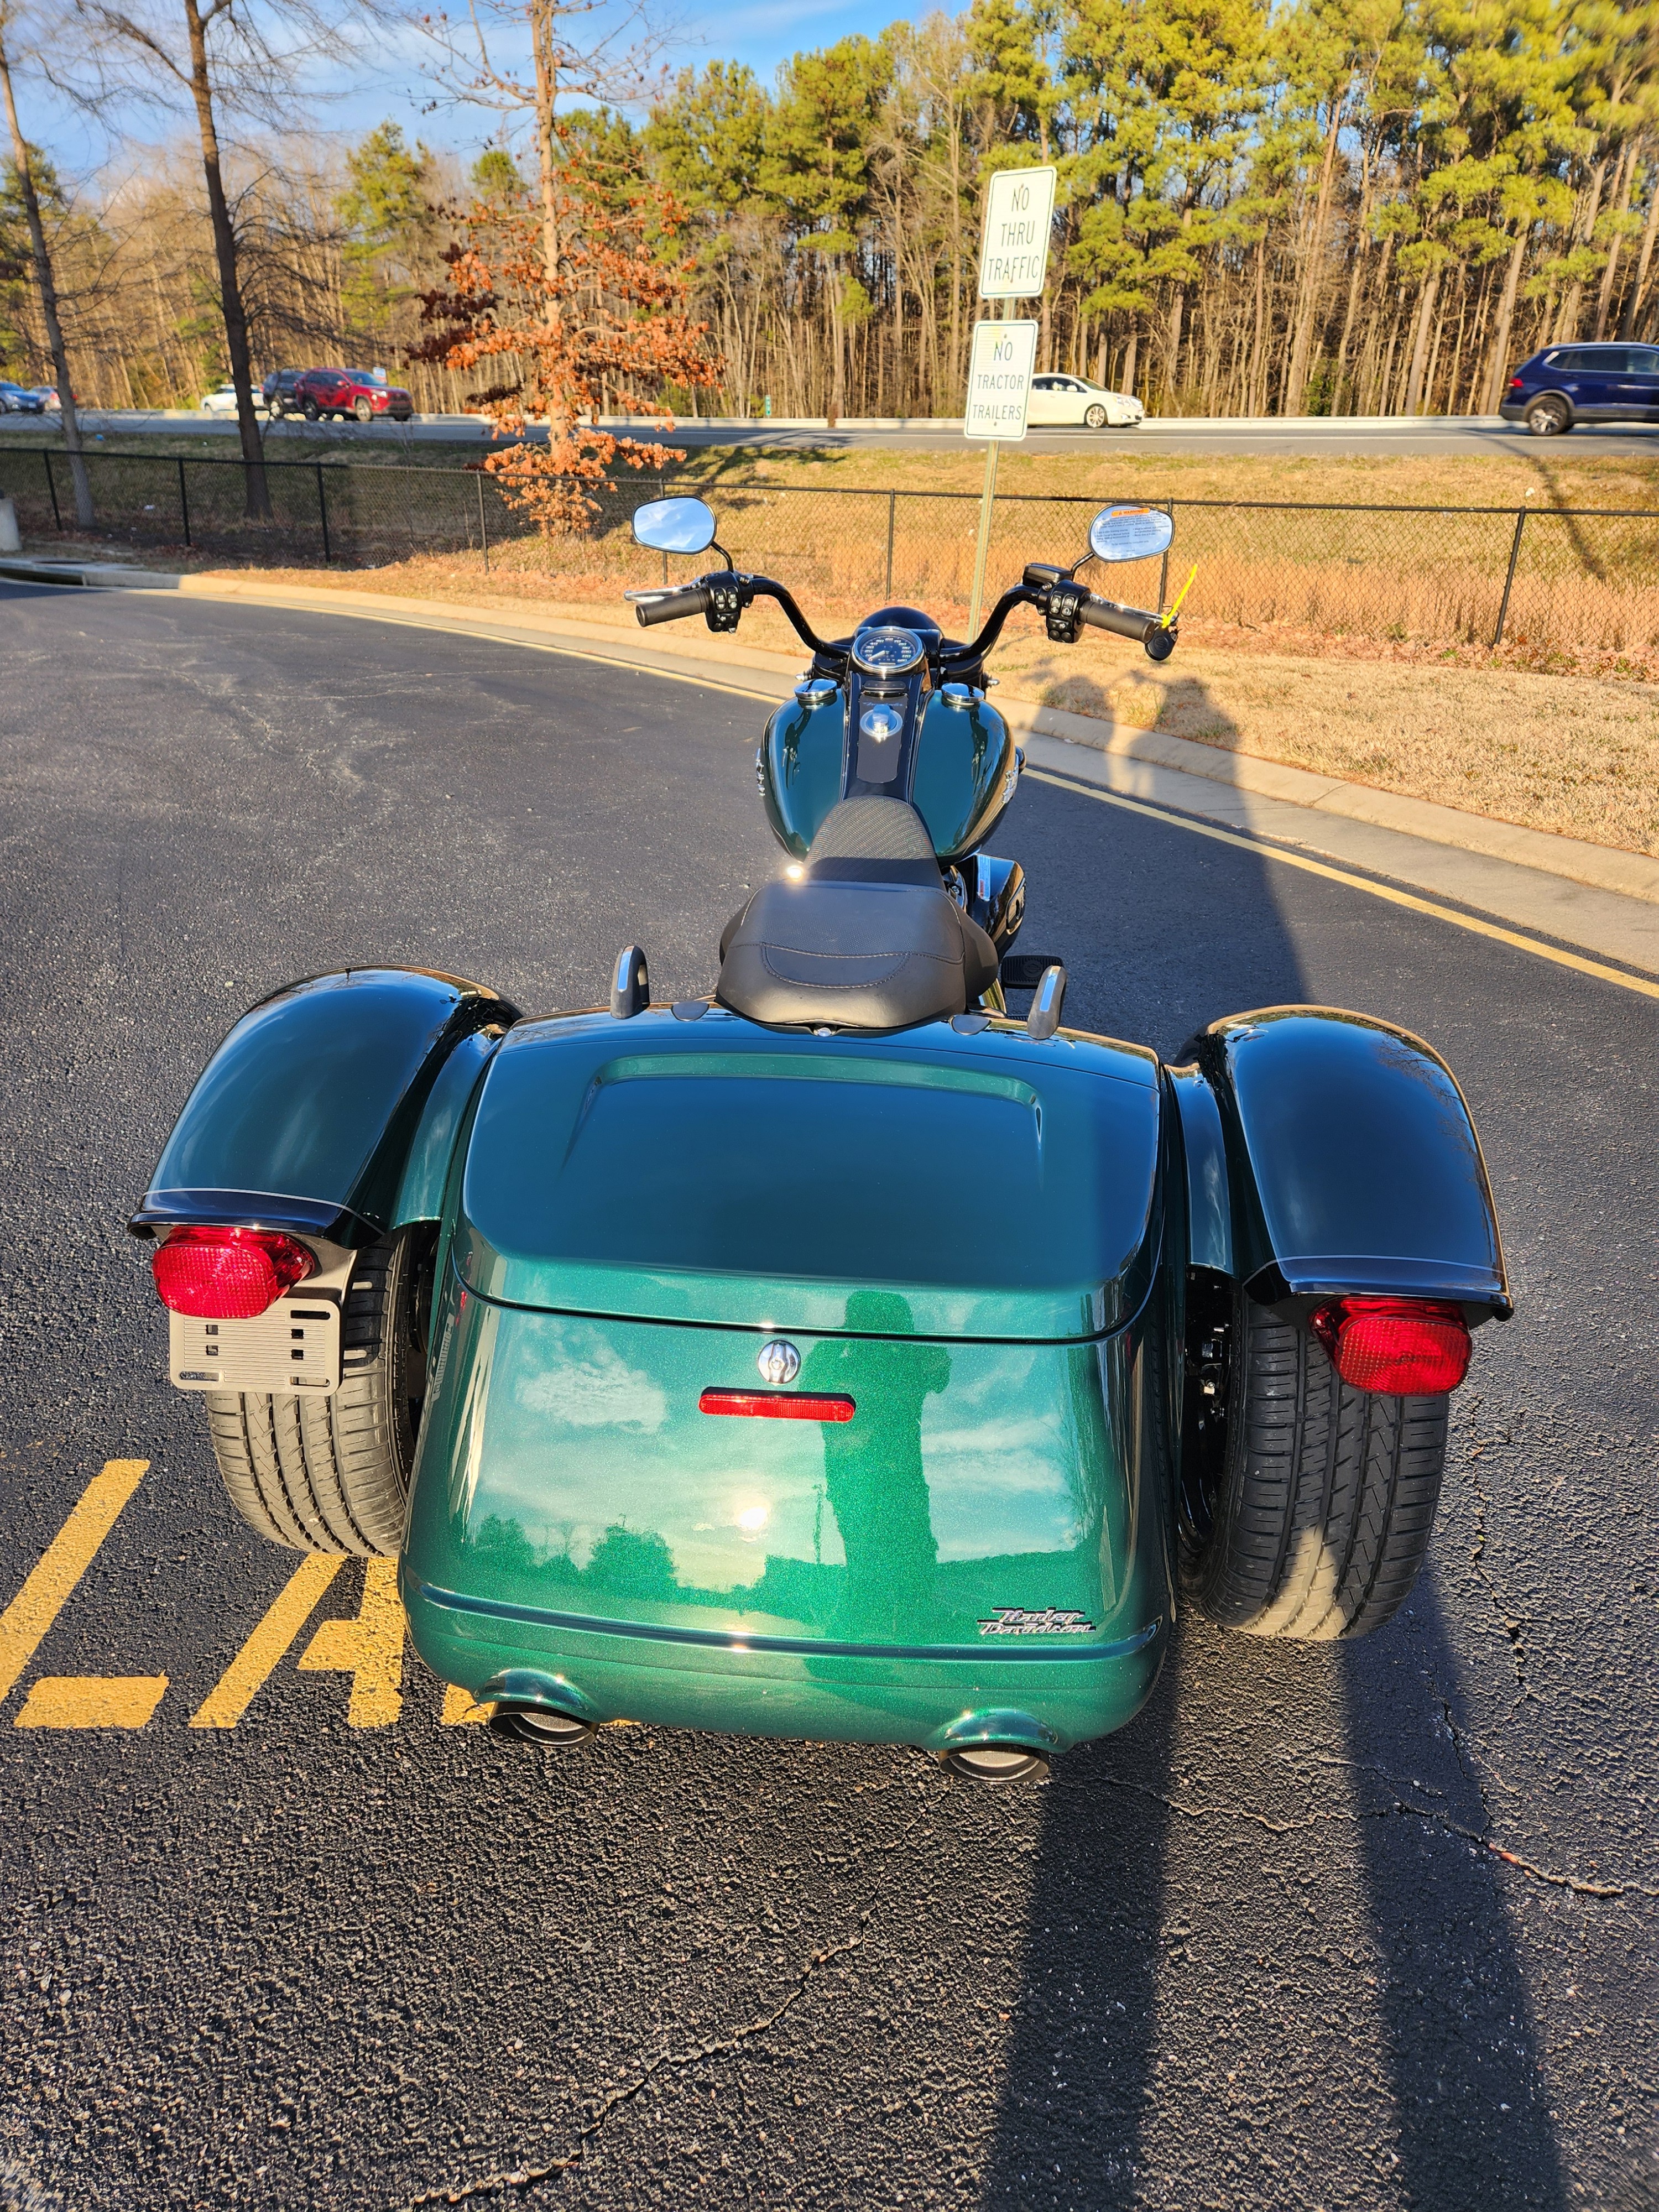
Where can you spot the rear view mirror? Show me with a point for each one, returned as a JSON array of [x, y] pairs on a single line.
[[1128, 533], [675, 526]]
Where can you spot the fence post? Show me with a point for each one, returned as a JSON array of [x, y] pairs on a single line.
[[51, 486], [1515, 555], [322, 513], [1163, 572], [483, 527], [184, 499], [892, 510]]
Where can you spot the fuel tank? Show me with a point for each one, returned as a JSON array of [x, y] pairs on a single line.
[[957, 764], [957, 1242]]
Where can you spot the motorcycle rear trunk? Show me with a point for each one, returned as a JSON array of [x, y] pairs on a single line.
[[961, 1235]]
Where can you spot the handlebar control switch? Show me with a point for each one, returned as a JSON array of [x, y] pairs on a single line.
[[1062, 611], [726, 602]]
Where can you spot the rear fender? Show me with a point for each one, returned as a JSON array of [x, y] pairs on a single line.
[[332, 1110], [1329, 1154]]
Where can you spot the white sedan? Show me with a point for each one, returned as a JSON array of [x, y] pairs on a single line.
[[1076, 400], [223, 401]]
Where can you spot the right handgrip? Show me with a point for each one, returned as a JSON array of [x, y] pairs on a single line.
[[1124, 622], [690, 600]]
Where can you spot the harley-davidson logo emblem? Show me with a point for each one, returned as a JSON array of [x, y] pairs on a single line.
[[778, 1361], [1015, 1621]]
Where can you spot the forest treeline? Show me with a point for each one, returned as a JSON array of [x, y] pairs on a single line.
[[1329, 207]]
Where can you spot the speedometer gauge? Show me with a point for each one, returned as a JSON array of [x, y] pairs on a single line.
[[887, 651]]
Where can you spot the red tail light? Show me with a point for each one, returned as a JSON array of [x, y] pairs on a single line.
[[228, 1274], [775, 1406], [1406, 1347], [1514, 384]]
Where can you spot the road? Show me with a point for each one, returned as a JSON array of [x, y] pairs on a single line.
[[1309, 436], [1368, 1928]]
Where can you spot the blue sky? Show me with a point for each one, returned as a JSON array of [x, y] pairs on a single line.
[[389, 83]]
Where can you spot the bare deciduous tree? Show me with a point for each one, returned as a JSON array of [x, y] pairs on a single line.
[[45, 282]]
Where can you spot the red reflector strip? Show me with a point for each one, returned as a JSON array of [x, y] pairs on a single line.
[[775, 1406]]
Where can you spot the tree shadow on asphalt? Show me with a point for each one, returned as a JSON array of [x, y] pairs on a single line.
[[1381, 2024]]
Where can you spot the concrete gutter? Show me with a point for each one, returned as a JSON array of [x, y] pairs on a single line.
[[1595, 896]]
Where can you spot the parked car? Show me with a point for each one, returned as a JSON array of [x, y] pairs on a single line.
[[280, 395], [18, 399], [1566, 384], [355, 392], [223, 401], [1075, 399]]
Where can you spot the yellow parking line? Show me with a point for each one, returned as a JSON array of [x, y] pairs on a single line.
[[65, 1559], [244, 1678], [370, 1649], [92, 1701], [459, 1711], [1641, 984]]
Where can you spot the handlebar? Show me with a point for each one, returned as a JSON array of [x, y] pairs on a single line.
[[722, 596]]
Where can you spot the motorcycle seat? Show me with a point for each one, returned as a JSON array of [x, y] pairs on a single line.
[[868, 939]]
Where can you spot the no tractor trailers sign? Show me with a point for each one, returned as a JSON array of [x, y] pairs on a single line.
[[999, 380], [1013, 254]]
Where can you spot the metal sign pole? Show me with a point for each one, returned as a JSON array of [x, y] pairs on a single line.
[[1014, 262], [987, 503]]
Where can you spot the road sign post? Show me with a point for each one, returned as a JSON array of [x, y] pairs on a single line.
[[999, 389], [1013, 264]]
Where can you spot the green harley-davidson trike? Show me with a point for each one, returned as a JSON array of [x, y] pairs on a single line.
[[841, 1354]]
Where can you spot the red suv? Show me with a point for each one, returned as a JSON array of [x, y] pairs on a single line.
[[343, 392]]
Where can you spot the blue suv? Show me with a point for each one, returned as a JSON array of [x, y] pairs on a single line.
[[1568, 384]]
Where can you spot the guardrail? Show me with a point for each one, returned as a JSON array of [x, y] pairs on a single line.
[[1574, 582]]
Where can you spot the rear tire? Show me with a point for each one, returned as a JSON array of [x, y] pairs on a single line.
[[1549, 418], [332, 1475], [1319, 1515], [311, 410]]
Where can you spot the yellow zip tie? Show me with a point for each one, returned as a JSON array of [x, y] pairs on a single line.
[[1180, 596]]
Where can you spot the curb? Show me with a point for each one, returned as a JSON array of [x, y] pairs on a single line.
[[1603, 867]]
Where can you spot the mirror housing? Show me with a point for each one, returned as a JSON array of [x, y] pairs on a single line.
[[1130, 533], [675, 526]]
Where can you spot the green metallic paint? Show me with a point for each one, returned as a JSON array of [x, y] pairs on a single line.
[[803, 758], [964, 774], [1352, 1159], [575, 1513], [964, 762], [329, 1090], [999, 1187]]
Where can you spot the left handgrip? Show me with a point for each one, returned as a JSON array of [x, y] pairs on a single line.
[[691, 599]]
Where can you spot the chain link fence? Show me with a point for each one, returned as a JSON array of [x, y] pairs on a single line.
[[1573, 583]]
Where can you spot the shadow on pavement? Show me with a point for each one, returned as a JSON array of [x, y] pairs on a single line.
[[1469, 2106], [1233, 1904]]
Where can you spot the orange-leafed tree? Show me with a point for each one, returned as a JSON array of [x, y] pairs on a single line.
[[570, 309]]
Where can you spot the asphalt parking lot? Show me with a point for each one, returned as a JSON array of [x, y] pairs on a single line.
[[1370, 1927]]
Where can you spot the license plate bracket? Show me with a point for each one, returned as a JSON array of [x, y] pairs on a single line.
[[293, 1347]]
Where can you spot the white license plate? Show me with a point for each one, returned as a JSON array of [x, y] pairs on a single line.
[[293, 1346]]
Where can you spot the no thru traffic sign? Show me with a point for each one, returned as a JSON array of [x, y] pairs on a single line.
[[1013, 254], [999, 380]]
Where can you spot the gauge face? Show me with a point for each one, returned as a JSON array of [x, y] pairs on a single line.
[[887, 651]]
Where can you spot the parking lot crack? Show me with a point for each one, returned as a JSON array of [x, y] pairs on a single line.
[[1576, 1883], [1513, 1630], [519, 2181]]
